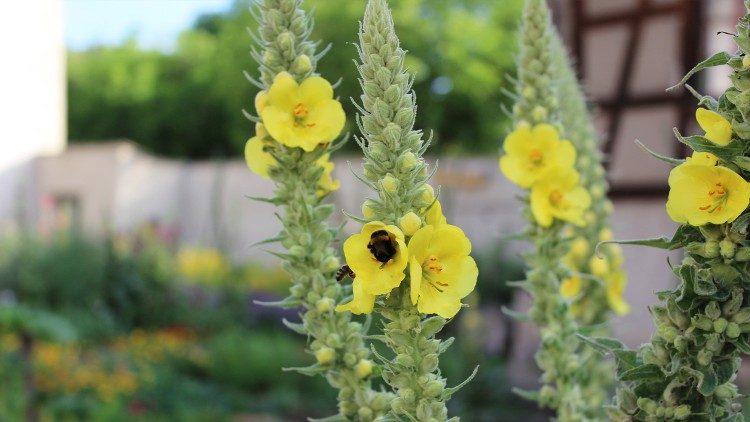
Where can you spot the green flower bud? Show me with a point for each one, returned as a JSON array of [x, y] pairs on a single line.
[[365, 413], [742, 316], [407, 161], [703, 322], [363, 368], [712, 249], [733, 330], [285, 41], [720, 325], [711, 232], [324, 305], [647, 405], [407, 395], [726, 391], [433, 389], [410, 223], [331, 263], [302, 64], [712, 310], [540, 113], [367, 209], [668, 333], [680, 343], [727, 248], [404, 360], [390, 184], [682, 412], [659, 412]]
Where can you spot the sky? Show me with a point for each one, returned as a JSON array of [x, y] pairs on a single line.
[[154, 23]]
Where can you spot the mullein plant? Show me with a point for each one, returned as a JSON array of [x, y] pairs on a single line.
[[558, 201], [297, 120], [406, 263], [687, 370], [596, 287]]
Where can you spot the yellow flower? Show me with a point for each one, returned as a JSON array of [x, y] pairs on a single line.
[[530, 153], [326, 183], [571, 287], [261, 100], [378, 257], [605, 234], [718, 129], [208, 266], [702, 159], [558, 195], [615, 288], [434, 215], [704, 194], [303, 115], [441, 270], [258, 160]]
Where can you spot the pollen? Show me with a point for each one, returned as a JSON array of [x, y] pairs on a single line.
[[536, 157], [300, 111], [434, 265]]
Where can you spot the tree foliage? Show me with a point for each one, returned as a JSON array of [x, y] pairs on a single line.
[[187, 102]]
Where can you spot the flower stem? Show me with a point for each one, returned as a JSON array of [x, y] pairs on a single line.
[[338, 342]]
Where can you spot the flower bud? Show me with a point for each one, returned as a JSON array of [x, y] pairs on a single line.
[[261, 100], [433, 388], [746, 62], [680, 343], [379, 401], [720, 325], [407, 161], [599, 266], [668, 332], [302, 64], [407, 394], [404, 360], [539, 113], [427, 195], [389, 184], [397, 405], [733, 330], [579, 247], [365, 413], [410, 223], [682, 412], [331, 264], [325, 355], [528, 92], [285, 41], [726, 391], [647, 405], [742, 316], [324, 305], [363, 368], [668, 412], [260, 131], [547, 394], [727, 248], [703, 322], [367, 209], [605, 234], [711, 249]]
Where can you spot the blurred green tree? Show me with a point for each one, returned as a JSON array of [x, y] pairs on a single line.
[[187, 102]]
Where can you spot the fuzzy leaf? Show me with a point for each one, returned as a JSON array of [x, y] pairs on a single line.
[[701, 144], [432, 326], [741, 223], [704, 287], [518, 316], [287, 303], [448, 392], [603, 345], [296, 327], [715, 60], [527, 394], [742, 344], [445, 344], [644, 372], [680, 238], [626, 359], [312, 370], [708, 383], [725, 370], [668, 160]]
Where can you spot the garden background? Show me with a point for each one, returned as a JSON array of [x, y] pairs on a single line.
[[126, 234]]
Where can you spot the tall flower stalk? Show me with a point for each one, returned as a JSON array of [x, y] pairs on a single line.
[[597, 285], [297, 121], [687, 370], [404, 236], [537, 159]]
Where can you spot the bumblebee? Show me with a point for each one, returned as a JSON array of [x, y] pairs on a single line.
[[343, 272], [381, 246]]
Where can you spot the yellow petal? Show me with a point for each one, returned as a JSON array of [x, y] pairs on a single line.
[[702, 159], [431, 301], [376, 277], [434, 215], [258, 161], [284, 92], [328, 119], [448, 240], [314, 90], [361, 303], [571, 287], [280, 125], [718, 129], [415, 280]]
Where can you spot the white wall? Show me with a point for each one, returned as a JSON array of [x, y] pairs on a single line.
[[32, 96]]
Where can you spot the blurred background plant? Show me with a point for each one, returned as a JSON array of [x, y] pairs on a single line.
[[126, 91]]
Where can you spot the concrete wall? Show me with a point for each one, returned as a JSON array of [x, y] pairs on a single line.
[[32, 104]]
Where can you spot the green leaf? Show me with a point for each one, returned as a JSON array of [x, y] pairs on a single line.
[[297, 328], [741, 223], [709, 381], [668, 160], [704, 287], [448, 392], [742, 344], [715, 60], [603, 345], [626, 360], [527, 394], [312, 370], [642, 373], [725, 370], [518, 316], [701, 144]]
